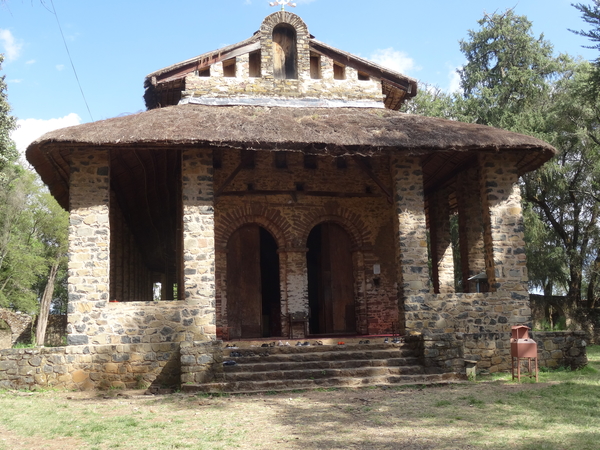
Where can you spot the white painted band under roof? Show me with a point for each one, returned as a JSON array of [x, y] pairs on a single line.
[[282, 102]]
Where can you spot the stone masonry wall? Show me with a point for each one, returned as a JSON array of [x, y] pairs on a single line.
[[201, 362], [555, 349], [447, 352], [92, 319], [89, 242], [244, 86], [87, 367], [199, 237], [468, 313], [503, 223], [411, 246], [19, 328]]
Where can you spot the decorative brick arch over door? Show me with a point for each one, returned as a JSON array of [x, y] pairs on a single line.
[[229, 224], [360, 239]]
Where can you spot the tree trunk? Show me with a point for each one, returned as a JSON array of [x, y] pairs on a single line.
[[591, 295], [40, 332]]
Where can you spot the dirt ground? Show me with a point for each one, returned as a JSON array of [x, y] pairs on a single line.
[[459, 416]]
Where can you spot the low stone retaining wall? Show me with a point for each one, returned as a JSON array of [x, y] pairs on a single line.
[[440, 353], [201, 362], [562, 348], [447, 352], [91, 367]]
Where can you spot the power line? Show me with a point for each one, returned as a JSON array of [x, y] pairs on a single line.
[[71, 60]]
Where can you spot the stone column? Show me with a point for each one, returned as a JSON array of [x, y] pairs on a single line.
[[441, 245], [199, 239], [470, 227], [503, 223], [411, 243], [296, 281], [89, 242]]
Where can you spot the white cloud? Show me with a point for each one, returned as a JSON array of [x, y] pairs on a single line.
[[15, 81], [28, 130], [395, 60], [454, 78], [60, 67], [31, 61], [12, 47]]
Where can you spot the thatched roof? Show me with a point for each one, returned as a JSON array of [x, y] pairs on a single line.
[[331, 131]]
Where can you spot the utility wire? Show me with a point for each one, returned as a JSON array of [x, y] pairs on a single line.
[[70, 59]]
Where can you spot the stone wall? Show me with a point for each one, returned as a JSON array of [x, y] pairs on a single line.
[[555, 349], [242, 85], [93, 320], [201, 362], [490, 312], [447, 352], [440, 353], [91, 367], [19, 328]]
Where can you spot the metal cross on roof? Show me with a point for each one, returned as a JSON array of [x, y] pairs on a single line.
[[283, 4]]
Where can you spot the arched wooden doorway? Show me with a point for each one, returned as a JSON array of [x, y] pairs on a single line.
[[330, 280], [253, 292]]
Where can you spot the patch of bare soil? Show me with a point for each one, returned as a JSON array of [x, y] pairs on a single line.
[[10, 440]]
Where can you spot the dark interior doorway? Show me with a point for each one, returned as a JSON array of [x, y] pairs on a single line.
[[253, 285], [330, 280]]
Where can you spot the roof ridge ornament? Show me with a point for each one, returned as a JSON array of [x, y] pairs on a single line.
[[283, 4]]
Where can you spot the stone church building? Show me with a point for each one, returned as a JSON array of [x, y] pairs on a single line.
[[275, 180]]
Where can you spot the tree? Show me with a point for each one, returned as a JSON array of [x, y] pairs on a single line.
[[591, 15], [507, 71], [33, 232], [8, 150], [513, 81]]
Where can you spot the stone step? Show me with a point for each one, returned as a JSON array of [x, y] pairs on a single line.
[[314, 354], [316, 374], [292, 349], [320, 383], [267, 366]]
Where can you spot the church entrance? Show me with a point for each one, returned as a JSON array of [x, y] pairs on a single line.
[[253, 292], [330, 280]]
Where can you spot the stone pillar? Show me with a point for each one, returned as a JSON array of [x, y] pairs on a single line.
[[296, 279], [411, 243], [89, 242], [441, 244], [503, 223], [470, 227], [199, 238]]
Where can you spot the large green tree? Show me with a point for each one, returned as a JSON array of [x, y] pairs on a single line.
[[8, 151], [33, 231], [591, 15]]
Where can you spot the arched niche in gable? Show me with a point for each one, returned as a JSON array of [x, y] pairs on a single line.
[[285, 52]]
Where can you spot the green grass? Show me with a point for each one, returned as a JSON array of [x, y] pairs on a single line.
[[561, 412]]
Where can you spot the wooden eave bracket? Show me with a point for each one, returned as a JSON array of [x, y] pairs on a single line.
[[374, 177]]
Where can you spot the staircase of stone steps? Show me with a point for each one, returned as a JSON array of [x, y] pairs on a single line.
[[280, 368]]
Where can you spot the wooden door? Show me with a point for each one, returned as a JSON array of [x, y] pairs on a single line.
[[336, 281], [244, 297]]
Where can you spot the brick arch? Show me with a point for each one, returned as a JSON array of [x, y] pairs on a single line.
[[269, 219], [350, 221]]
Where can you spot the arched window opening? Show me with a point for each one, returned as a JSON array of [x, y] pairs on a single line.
[[285, 54]]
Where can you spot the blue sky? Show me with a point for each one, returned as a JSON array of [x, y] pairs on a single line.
[[115, 44]]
